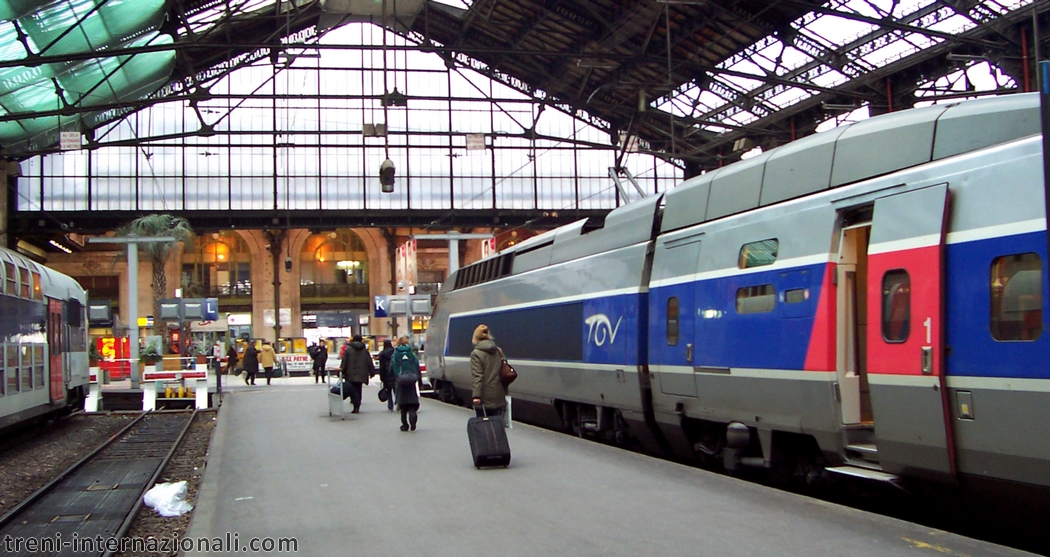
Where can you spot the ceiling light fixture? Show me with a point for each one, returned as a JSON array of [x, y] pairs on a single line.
[[60, 246]]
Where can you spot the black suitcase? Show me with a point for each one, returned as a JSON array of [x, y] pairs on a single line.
[[488, 441]]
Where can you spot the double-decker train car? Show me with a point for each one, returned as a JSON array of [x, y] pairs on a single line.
[[866, 301], [43, 341]]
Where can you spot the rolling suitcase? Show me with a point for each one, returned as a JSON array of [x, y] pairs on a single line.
[[488, 441]]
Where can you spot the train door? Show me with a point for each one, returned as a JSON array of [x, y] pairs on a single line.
[[905, 341], [55, 338], [852, 318]]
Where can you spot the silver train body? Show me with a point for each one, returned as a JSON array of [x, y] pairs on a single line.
[[43, 341], [868, 301]]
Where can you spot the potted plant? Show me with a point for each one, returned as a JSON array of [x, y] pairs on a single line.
[[93, 356], [200, 350], [150, 355]]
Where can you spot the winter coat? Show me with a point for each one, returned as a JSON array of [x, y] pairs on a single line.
[[251, 359], [267, 357], [404, 361], [321, 355], [485, 363], [357, 365], [386, 372], [231, 357]]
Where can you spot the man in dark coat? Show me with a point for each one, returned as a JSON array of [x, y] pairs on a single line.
[[356, 368], [319, 354], [250, 363]]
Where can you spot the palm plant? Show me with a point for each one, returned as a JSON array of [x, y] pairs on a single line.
[[157, 253]]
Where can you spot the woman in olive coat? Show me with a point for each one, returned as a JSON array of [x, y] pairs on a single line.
[[489, 395]]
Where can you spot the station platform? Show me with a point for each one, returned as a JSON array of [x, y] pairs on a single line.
[[280, 467]]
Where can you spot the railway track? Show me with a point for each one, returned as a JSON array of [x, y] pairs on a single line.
[[88, 508]]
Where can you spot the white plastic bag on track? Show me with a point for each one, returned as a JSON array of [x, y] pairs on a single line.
[[168, 499]]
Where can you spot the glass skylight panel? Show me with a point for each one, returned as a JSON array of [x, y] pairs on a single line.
[[952, 24], [831, 78], [789, 97], [890, 52], [838, 28], [792, 59]]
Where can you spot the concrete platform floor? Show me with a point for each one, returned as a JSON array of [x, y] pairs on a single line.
[[279, 466]]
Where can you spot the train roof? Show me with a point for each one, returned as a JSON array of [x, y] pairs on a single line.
[[53, 283], [835, 158], [851, 153]]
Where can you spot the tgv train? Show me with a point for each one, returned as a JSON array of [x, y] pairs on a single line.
[[43, 341], [867, 300]]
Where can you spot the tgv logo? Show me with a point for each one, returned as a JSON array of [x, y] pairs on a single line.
[[601, 329]]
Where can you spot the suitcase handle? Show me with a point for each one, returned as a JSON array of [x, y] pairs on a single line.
[[484, 412]]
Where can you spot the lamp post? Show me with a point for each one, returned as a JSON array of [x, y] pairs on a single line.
[[132, 242]]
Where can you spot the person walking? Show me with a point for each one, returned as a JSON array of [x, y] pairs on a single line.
[[231, 359], [386, 373], [267, 359], [216, 357], [356, 367], [251, 363], [405, 365], [489, 395], [320, 356]]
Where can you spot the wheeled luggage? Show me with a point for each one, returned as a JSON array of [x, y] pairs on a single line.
[[335, 400], [488, 441]]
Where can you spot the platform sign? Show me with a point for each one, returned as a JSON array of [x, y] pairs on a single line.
[[211, 309], [398, 305], [420, 305], [475, 142], [381, 306], [69, 141]]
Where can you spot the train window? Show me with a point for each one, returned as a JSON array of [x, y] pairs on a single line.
[[12, 278], [12, 369], [1017, 301], [26, 370], [896, 306], [796, 295], [672, 321], [38, 367], [757, 254], [755, 299], [38, 294], [26, 285]]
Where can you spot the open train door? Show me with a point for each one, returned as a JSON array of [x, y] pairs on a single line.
[[905, 339], [56, 352]]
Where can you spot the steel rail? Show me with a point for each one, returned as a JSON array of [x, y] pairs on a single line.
[[36, 495], [130, 518]]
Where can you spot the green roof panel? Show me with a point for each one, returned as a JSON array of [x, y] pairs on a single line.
[[71, 27]]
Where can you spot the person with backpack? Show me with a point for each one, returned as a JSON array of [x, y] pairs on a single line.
[[405, 365]]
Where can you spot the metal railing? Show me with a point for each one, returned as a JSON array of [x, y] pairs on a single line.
[[327, 291]]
